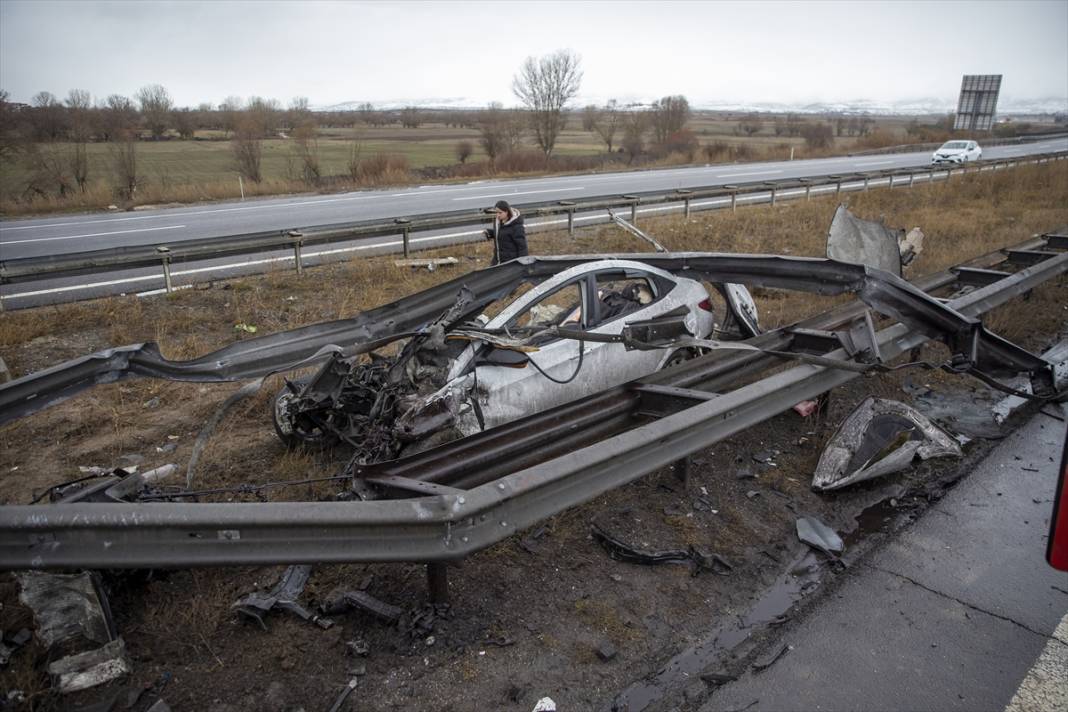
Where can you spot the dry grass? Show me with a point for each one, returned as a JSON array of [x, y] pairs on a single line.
[[964, 218]]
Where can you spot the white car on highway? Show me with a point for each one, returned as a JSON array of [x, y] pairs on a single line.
[[958, 152]]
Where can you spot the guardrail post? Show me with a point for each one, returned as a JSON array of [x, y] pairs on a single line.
[[837, 184], [890, 185], [733, 190], [437, 581], [774, 190], [405, 233], [633, 208], [949, 174], [912, 179], [165, 255], [866, 178], [570, 216], [685, 201], [298, 243], [808, 188]]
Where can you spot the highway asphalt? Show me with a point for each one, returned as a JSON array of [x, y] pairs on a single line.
[[57, 235], [959, 612], [73, 233]]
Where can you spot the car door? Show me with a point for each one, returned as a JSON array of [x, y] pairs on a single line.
[[552, 376]]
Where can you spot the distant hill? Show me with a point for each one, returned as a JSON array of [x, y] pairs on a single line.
[[905, 107]]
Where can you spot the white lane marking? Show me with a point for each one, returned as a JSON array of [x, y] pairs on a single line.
[[181, 213], [750, 173], [1045, 687], [91, 234], [876, 163], [503, 194], [234, 265]]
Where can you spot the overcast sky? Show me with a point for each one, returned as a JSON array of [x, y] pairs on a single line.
[[333, 52]]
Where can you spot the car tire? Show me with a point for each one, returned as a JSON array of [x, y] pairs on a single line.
[[294, 435]]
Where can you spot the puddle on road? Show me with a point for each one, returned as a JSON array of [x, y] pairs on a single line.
[[801, 577]]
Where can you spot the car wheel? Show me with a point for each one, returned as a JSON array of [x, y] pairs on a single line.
[[296, 432]]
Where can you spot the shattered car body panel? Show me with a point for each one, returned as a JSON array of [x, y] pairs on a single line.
[[878, 438]]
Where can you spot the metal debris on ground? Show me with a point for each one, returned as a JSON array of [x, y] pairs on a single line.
[[345, 694], [70, 610], [770, 659], [878, 438], [545, 704], [9, 645], [283, 596], [342, 601], [620, 550], [819, 536], [430, 264], [864, 242], [422, 622], [89, 669]]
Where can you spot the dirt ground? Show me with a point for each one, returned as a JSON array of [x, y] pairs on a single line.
[[545, 613]]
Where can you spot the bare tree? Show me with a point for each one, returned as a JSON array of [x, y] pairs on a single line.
[[123, 151], [47, 116], [184, 122], [818, 135], [464, 149], [545, 86], [355, 153], [493, 132], [156, 105], [230, 109], [751, 124], [79, 108], [299, 112], [410, 118], [306, 140], [247, 145], [265, 114], [119, 117], [590, 116], [607, 123], [9, 127], [634, 126], [669, 115]]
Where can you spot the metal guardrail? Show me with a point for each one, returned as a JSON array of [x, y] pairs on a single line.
[[510, 477], [164, 255]]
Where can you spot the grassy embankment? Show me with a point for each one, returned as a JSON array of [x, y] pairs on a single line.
[[202, 170], [961, 219]]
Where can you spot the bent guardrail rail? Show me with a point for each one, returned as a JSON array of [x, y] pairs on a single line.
[[165, 254]]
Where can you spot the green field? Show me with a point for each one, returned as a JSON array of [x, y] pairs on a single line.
[[203, 168]]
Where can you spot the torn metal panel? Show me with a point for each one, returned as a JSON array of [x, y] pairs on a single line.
[[283, 596], [864, 242], [67, 607], [89, 669], [878, 438], [819, 536]]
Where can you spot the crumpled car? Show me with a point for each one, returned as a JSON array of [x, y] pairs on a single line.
[[457, 378]]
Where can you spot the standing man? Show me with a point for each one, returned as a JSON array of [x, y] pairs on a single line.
[[508, 235]]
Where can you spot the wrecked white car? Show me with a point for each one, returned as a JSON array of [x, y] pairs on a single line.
[[537, 352]]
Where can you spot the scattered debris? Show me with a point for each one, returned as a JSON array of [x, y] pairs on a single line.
[[9, 645], [247, 328], [878, 438], [284, 596], [622, 551], [864, 242], [345, 694], [430, 264], [770, 659], [89, 669], [717, 678], [910, 246], [151, 403], [752, 493], [358, 646], [545, 704], [70, 610], [806, 408], [341, 601], [819, 536], [606, 651]]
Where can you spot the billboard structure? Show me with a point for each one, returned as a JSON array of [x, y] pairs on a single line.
[[978, 102]]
